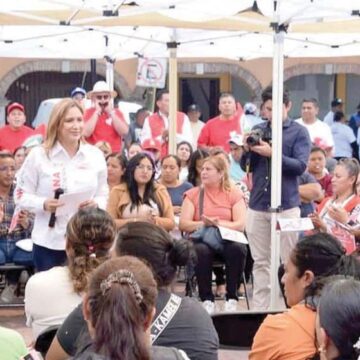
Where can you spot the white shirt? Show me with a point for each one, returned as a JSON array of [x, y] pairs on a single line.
[[329, 118], [249, 121], [49, 299], [185, 135], [196, 129], [343, 137], [184, 172], [318, 130], [42, 174]]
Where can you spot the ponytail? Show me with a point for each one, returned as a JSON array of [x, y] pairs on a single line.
[[121, 298], [89, 237], [119, 329]]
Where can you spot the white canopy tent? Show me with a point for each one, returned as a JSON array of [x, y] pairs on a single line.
[[73, 42], [235, 29]]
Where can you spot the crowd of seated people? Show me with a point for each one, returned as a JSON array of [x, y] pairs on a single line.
[[153, 214]]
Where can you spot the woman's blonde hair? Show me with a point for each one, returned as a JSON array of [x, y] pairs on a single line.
[[57, 118], [221, 166]]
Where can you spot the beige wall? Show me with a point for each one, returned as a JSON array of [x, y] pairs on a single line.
[[261, 69]]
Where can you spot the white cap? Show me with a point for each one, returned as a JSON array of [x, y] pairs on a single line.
[[250, 108], [237, 140]]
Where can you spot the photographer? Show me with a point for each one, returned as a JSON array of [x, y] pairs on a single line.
[[102, 121], [257, 160]]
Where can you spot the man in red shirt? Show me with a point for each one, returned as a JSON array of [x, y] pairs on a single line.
[[156, 126], [218, 130], [15, 133], [102, 121]]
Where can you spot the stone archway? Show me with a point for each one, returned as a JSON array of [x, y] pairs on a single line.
[[55, 65], [325, 68], [218, 68]]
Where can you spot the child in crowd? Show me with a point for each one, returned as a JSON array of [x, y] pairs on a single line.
[[316, 167]]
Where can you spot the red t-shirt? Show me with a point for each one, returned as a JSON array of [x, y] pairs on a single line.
[[217, 132], [326, 185], [11, 139], [104, 130]]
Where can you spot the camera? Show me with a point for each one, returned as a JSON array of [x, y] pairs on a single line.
[[255, 135]]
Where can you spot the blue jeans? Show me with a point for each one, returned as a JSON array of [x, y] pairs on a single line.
[[9, 252], [45, 259]]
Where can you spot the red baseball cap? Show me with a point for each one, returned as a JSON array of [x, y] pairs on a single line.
[[149, 144], [14, 106]]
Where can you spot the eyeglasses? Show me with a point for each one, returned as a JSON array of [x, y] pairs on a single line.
[[144, 167], [102, 97], [7, 168]]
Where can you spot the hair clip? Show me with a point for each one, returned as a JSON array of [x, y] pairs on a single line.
[[91, 249], [122, 277]]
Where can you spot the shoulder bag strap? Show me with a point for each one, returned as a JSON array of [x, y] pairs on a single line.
[[201, 201], [165, 316]]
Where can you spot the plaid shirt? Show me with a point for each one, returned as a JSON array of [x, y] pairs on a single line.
[[19, 232]]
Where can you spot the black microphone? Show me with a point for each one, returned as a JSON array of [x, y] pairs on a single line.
[[57, 194]]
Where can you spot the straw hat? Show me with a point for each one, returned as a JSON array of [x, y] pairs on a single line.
[[101, 87]]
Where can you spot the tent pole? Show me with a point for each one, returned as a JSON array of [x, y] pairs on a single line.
[[93, 74], [173, 91], [276, 160], [110, 72]]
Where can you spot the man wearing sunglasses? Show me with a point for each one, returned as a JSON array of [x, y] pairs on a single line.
[[102, 121]]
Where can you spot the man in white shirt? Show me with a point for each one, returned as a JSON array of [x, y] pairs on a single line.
[[320, 133], [336, 105], [250, 119], [156, 126], [194, 113], [344, 138]]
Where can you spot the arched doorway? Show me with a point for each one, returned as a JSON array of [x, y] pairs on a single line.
[[20, 83], [32, 88]]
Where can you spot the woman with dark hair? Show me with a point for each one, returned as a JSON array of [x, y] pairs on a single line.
[[118, 307], [185, 324], [170, 170], [184, 151], [196, 160], [339, 213], [19, 156], [116, 165], [291, 335], [338, 321], [51, 295], [140, 198], [134, 149]]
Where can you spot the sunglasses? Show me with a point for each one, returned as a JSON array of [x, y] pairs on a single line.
[[102, 97]]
